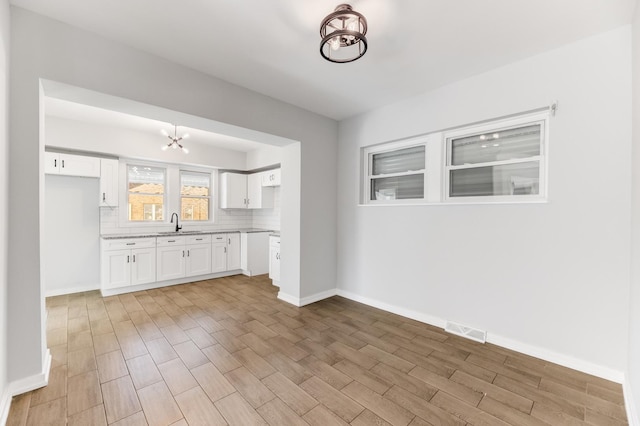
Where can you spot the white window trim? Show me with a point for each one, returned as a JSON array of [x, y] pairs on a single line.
[[368, 153], [541, 118], [126, 193], [209, 197]]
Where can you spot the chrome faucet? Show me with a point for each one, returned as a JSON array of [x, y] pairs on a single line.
[[178, 227]]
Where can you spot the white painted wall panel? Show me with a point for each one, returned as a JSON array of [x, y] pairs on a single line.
[[71, 245], [551, 276], [633, 385]]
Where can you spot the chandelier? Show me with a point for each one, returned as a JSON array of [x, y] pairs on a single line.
[[342, 35], [175, 140]]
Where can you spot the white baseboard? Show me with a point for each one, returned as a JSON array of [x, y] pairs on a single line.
[[24, 385], [629, 403], [288, 298], [5, 406], [33, 382], [63, 291], [297, 301], [535, 351], [418, 316]]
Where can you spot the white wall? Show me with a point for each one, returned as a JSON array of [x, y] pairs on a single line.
[[633, 388], [71, 249], [51, 50], [547, 278], [4, 202]]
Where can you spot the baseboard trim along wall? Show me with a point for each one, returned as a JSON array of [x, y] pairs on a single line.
[[5, 405], [24, 385], [299, 302], [63, 291], [632, 411]]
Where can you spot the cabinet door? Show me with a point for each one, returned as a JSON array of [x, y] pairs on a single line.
[[219, 256], [143, 266], [198, 259], [51, 163], [108, 182], [233, 251], [170, 262], [233, 191], [260, 197], [271, 178], [79, 165], [116, 268]]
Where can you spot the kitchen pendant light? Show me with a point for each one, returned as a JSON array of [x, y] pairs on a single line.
[[175, 140], [343, 35]]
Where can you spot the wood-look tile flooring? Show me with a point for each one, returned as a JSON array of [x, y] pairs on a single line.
[[226, 351]]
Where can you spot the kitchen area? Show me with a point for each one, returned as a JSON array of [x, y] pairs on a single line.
[[123, 213]]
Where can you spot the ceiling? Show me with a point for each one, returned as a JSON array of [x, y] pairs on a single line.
[[104, 117], [272, 46]]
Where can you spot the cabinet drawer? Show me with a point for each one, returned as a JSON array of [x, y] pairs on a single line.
[[198, 239], [128, 243], [217, 238], [170, 241]]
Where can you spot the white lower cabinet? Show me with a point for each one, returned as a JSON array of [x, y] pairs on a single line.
[[128, 262], [225, 250], [198, 259], [133, 261], [171, 258], [274, 259]]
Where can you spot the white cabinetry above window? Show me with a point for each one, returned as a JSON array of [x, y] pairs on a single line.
[[271, 178], [71, 165]]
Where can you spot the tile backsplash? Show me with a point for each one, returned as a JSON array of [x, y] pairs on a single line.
[[223, 218]]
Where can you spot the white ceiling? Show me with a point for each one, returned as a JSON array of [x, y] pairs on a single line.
[[272, 46], [103, 117]]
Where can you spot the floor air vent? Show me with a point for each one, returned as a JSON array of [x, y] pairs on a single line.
[[468, 332]]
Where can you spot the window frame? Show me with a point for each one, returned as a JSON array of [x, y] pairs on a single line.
[[496, 126], [128, 193], [370, 151], [209, 197]]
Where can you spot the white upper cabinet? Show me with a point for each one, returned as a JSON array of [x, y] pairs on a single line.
[[233, 191], [271, 177], [71, 165], [239, 191], [108, 182]]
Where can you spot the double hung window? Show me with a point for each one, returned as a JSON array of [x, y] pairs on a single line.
[[146, 192], [195, 196], [395, 172], [498, 161]]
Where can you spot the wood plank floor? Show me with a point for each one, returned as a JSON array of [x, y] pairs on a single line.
[[226, 351]]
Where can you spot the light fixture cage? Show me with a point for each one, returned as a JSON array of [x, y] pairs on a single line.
[[343, 35], [175, 140]]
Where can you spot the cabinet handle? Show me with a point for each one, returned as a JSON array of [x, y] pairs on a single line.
[[188, 253], [198, 239], [278, 256], [171, 241], [63, 164], [182, 253], [127, 259], [131, 244], [104, 196], [55, 162], [134, 258], [229, 240], [225, 249]]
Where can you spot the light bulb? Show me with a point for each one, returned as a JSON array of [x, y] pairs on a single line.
[[164, 147], [164, 132], [352, 24], [496, 135], [174, 145], [185, 136], [335, 43], [186, 151], [482, 137]]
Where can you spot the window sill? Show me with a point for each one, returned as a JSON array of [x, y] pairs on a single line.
[[455, 203]]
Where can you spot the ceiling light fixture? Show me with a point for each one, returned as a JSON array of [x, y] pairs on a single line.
[[175, 140], [342, 35]]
